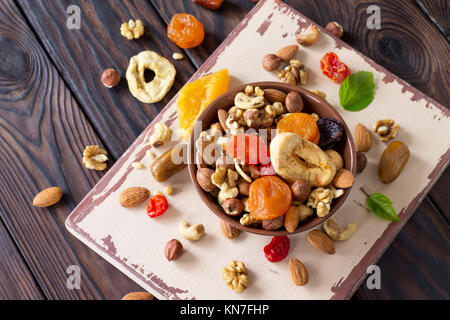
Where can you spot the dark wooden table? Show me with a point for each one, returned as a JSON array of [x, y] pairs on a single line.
[[52, 105]]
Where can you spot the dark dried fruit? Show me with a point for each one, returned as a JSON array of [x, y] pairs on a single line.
[[361, 162], [331, 132]]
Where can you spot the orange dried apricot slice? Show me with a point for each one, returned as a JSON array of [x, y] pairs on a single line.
[[269, 198], [185, 30], [301, 123], [197, 95]]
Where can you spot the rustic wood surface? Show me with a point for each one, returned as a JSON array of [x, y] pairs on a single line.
[[52, 105]]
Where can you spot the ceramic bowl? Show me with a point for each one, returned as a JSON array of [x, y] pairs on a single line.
[[312, 104]]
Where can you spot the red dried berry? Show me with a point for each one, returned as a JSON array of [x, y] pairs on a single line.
[[277, 249], [334, 68]]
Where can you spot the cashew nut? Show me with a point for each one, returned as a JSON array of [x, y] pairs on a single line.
[[331, 228], [243, 101], [189, 232], [225, 180], [295, 158], [241, 172], [304, 212]]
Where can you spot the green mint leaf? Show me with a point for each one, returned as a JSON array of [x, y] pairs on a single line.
[[381, 205], [357, 91]]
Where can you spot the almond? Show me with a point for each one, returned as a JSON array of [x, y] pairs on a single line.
[[228, 230], [48, 197], [133, 196], [138, 296], [343, 179], [223, 116], [363, 139], [321, 241], [291, 219], [274, 95], [287, 53], [299, 274]]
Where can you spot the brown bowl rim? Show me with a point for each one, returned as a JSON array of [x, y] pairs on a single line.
[[212, 204]]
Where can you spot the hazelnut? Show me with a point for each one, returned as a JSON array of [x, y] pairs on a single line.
[[308, 36], [233, 207], [294, 102], [335, 29], [173, 250], [300, 190], [110, 78], [271, 62], [204, 179], [273, 224], [243, 187], [361, 162]]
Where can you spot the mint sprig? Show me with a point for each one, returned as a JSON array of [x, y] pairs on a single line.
[[357, 91], [381, 206]]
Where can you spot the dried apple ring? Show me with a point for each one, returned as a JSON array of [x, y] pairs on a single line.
[[155, 90]]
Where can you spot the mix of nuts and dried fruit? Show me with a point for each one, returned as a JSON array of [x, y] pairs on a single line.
[[266, 179], [278, 176]]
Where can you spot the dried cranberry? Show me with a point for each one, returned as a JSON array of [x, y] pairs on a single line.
[[331, 132], [277, 249]]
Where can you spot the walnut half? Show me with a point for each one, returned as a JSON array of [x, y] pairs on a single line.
[[386, 129], [235, 276], [95, 157], [132, 29]]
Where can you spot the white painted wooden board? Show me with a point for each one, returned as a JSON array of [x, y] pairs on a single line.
[[134, 243]]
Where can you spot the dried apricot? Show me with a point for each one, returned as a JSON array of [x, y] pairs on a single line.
[[301, 123], [269, 198], [185, 30], [197, 95]]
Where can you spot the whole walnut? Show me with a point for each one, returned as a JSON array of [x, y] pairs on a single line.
[[300, 190]]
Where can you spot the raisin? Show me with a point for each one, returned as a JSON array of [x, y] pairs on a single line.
[[277, 249], [331, 132]]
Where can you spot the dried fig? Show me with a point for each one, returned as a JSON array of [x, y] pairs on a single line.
[[392, 161]]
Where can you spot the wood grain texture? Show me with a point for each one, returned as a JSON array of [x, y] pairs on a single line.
[[420, 64], [420, 256], [439, 195], [16, 280], [439, 13], [43, 134], [414, 52], [81, 56]]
